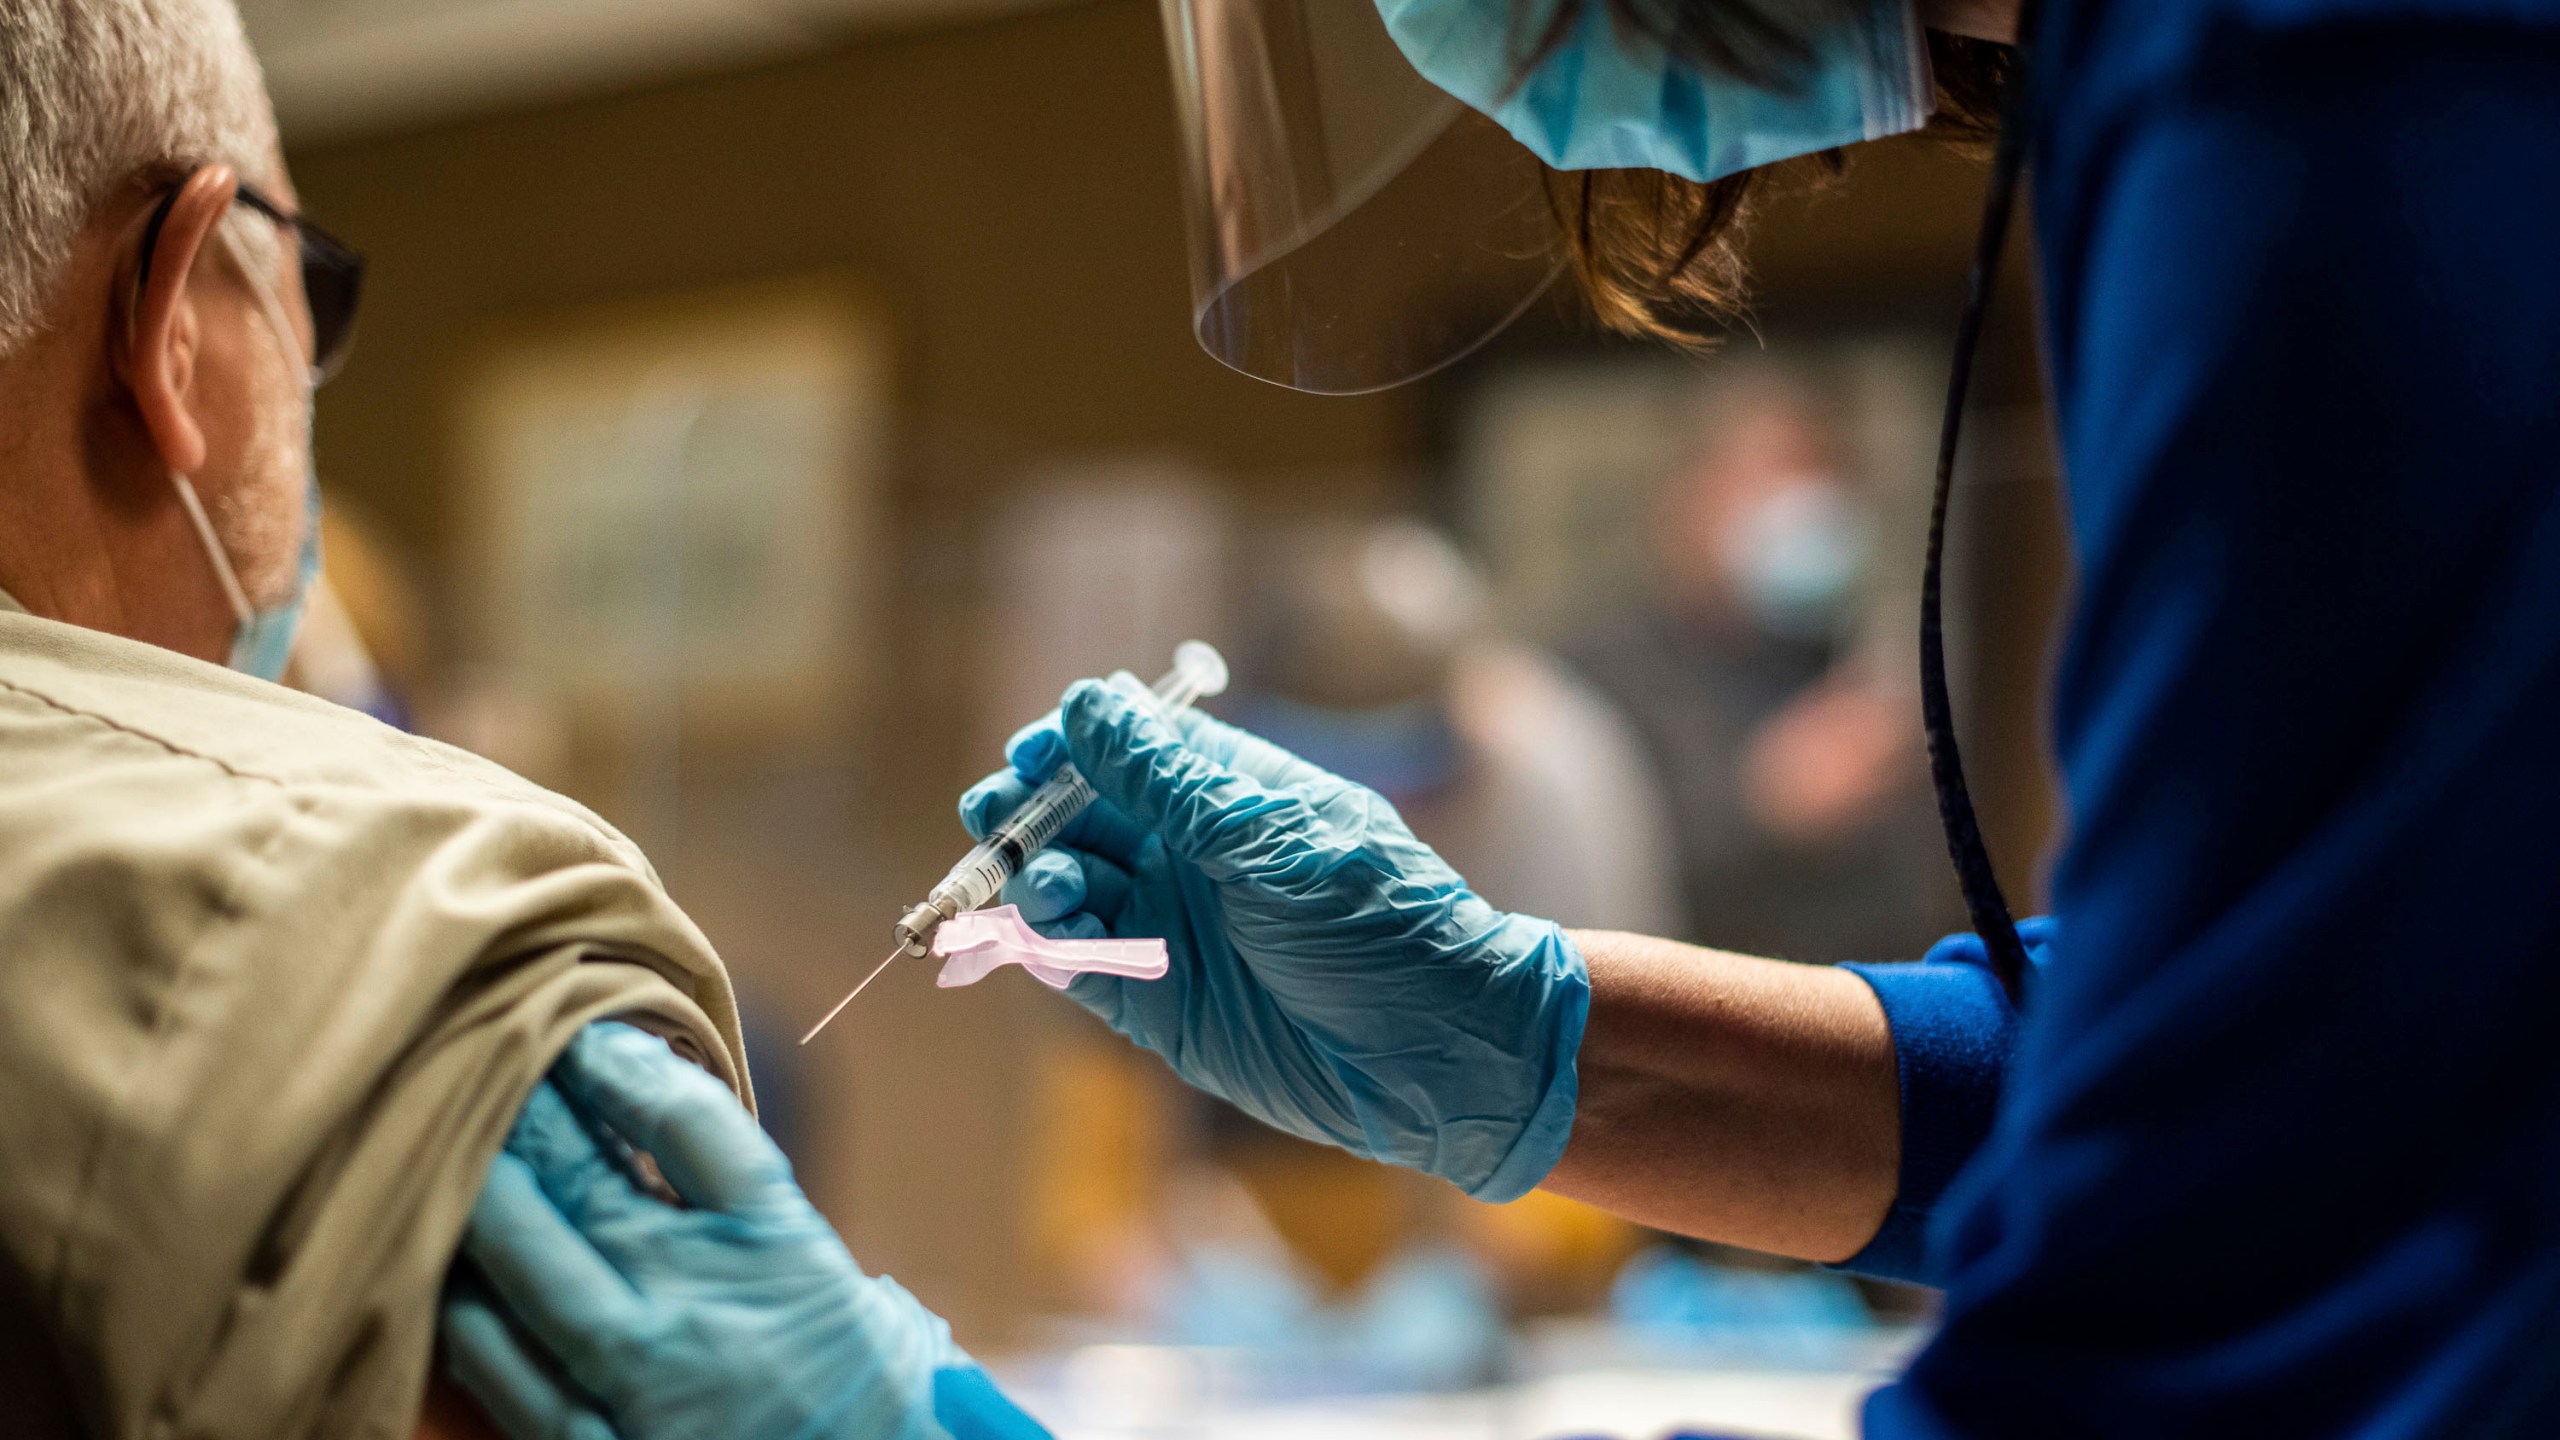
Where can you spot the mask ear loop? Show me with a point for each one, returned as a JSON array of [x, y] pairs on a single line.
[[241, 610], [1985, 906], [268, 304], [244, 613]]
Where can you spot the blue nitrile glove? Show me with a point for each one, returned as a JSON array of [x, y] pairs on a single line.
[[1331, 974], [591, 1309]]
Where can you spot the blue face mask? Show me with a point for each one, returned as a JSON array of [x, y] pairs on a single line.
[[262, 639], [1797, 558], [1603, 101]]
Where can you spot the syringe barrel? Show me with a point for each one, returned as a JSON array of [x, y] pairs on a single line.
[[982, 872], [1198, 671]]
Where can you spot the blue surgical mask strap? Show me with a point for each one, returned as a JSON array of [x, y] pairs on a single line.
[[1985, 905]]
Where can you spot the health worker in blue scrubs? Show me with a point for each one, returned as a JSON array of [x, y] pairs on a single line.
[[2258, 1133]]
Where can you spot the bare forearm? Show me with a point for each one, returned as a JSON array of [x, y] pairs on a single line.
[[1746, 1101]]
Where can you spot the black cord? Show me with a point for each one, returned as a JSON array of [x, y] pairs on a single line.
[[1984, 905]]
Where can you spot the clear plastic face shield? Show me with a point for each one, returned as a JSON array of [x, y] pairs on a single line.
[[1352, 225]]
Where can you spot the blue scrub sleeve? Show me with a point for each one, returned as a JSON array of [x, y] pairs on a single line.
[[1953, 1028], [968, 1404]]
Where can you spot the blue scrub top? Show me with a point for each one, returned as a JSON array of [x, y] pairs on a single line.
[[2275, 1150]]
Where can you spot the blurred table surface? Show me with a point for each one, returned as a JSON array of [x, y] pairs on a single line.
[[1140, 1392]]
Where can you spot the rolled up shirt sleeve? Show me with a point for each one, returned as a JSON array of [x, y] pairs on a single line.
[[1953, 1028]]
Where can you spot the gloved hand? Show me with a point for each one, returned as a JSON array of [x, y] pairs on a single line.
[[1331, 974], [592, 1309]]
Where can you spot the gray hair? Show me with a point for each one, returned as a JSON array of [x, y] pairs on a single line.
[[94, 92]]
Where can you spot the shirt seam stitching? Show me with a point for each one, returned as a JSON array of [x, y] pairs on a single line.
[[147, 737]]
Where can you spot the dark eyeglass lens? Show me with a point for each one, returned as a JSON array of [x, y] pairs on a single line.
[[332, 283], [332, 275]]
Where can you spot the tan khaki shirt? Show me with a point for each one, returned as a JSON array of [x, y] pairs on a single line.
[[274, 979]]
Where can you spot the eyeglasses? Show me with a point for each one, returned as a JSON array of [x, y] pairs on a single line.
[[332, 275]]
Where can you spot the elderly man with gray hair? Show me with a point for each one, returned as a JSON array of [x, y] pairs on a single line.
[[276, 980]]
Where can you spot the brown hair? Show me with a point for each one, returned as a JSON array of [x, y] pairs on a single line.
[[1659, 255]]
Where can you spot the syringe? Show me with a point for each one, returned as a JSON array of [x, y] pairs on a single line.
[[1198, 672]]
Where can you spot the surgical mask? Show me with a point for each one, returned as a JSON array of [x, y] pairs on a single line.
[[262, 639], [1605, 101], [1797, 555]]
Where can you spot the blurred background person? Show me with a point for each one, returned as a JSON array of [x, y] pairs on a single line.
[[1369, 649], [1789, 758]]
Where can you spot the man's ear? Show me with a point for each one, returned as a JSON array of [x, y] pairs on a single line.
[[163, 331]]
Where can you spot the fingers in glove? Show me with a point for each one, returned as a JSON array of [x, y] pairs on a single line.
[[490, 1361], [1060, 882], [984, 805], [1050, 894], [581, 1176], [1113, 999], [704, 1141], [1035, 751], [545, 1274], [1102, 827], [1048, 887], [1082, 925], [1220, 819]]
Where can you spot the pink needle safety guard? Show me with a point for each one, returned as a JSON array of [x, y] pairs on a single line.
[[977, 943]]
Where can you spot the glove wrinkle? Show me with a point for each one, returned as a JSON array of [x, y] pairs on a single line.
[[1332, 975], [648, 1306]]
